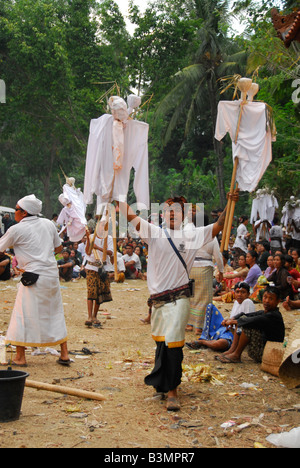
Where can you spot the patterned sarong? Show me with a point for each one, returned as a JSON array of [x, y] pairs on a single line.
[[97, 290], [213, 329], [203, 277]]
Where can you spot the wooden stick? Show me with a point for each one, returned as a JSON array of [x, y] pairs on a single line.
[[227, 225], [114, 227], [65, 390], [230, 220]]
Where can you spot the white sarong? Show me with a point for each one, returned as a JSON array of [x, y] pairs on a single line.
[[38, 317], [168, 322]]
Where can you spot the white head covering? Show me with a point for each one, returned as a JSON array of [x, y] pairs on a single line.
[[31, 204], [63, 200], [118, 108]]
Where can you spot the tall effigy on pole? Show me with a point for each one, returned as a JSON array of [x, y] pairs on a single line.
[[72, 216], [252, 130], [117, 144]]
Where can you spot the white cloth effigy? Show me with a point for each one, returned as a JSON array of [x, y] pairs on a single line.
[[76, 197], [263, 207], [72, 215], [38, 317], [254, 144], [291, 211], [99, 172], [75, 229]]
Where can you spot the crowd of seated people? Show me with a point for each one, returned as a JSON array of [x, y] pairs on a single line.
[[259, 267]]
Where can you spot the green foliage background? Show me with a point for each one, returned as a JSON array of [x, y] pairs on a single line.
[[58, 57]]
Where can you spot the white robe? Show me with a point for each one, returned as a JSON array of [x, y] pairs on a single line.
[[38, 316], [254, 144], [99, 171], [75, 229], [73, 217], [76, 197]]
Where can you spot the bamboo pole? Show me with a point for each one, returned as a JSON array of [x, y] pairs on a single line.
[[106, 227], [114, 227], [65, 390], [228, 225], [230, 221]]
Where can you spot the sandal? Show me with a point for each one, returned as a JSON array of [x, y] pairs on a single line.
[[173, 404], [227, 360], [14, 364], [193, 345], [62, 362], [88, 323]]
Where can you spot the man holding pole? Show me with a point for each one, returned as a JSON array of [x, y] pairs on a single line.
[[171, 256], [38, 317]]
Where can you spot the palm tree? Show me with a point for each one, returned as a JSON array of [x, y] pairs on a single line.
[[196, 87]]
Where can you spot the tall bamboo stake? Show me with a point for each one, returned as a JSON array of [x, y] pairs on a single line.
[[114, 226], [227, 225]]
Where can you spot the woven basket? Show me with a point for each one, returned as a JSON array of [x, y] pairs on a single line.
[[289, 371], [272, 358]]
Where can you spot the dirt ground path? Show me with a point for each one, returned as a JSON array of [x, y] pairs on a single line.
[[130, 418]]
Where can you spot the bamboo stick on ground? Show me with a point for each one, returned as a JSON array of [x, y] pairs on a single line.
[[65, 390]]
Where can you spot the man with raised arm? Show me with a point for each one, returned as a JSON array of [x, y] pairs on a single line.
[[171, 254]]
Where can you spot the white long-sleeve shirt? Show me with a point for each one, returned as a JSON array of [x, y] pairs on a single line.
[[241, 239]]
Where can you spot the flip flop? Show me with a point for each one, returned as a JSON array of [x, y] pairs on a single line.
[[14, 364], [227, 360], [88, 323], [193, 345], [62, 362], [173, 404]]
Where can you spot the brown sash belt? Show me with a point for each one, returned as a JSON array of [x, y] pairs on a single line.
[[169, 296]]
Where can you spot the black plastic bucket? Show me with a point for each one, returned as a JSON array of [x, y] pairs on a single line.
[[12, 384]]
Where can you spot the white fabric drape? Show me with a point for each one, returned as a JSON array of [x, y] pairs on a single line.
[[72, 215], [99, 173], [263, 207], [254, 144]]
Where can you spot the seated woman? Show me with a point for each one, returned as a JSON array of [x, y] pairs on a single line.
[[215, 335], [238, 275], [280, 278], [271, 268], [4, 267], [254, 270], [294, 275], [254, 330], [218, 282], [296, 257], [251, 279]]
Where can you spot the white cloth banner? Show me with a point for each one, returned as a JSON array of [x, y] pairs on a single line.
[[99, 173], [75, 196], [254, 144], [72, 216], [264, 207]]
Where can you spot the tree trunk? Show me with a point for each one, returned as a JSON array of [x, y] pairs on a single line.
[[47, 208], [218, 146]]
